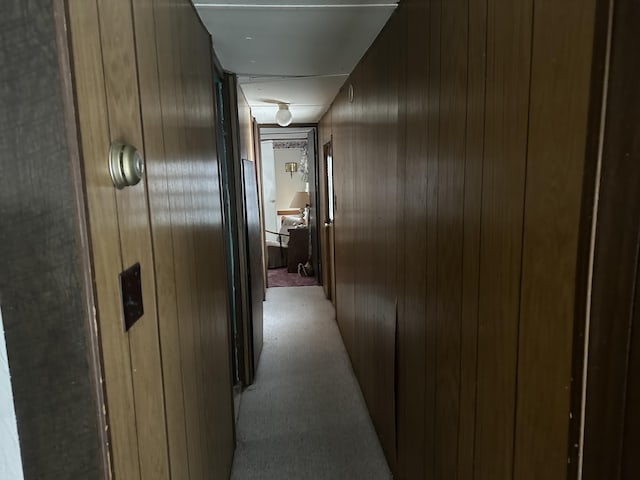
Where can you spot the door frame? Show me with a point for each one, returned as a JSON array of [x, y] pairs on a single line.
[[327, 212], [610, 411]]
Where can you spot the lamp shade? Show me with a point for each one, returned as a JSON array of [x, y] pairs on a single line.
[[283, 115], [300, 200]]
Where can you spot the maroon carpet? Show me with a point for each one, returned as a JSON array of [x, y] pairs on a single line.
[[279, 277]]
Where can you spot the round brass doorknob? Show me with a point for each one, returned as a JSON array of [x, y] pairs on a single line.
[[126, 165]]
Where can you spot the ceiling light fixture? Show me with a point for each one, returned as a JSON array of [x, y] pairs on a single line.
[[283, 115]]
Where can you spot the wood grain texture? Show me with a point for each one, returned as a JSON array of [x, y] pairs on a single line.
[[257, 155], [107, 260], [412, 235], [192, 165], [324, 226], [450, 232], [250, 226], [178, 407], [461, 121], [125, 124], [505, 144], [555, 168], [237, 147], [342, 118], [476, 64], [612, 369], [169, 19], [632, 414], [159, 211], [430, 261], [254, 242], [327, 246]]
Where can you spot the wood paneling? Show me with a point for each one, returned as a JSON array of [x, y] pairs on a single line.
[[254, 255], [106, 256], [324, 227], [365, 146], [631, 444], [125, 124], [249, 229], [550, 242], [342, 127], [505, 147], [465, 158], [159, 207], [168, 380], [472, 216], [612, 409], [449, 231], [412, 173]]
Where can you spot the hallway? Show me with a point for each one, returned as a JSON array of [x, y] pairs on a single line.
[[305, 416]]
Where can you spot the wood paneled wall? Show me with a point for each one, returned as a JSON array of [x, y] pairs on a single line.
[[612, 413], [143, 75], [251, 237], [459, 175]]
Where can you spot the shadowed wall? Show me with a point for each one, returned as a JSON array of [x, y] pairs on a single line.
[[458, 171]]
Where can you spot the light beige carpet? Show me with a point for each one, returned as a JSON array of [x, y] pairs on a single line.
[[305, 418]]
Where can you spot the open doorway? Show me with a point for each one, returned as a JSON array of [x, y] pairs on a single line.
[[289, 186]]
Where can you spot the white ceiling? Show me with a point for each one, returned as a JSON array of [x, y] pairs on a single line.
[[289, 133], [296, 52]]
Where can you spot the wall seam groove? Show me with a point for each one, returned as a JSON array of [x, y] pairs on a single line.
[[593, 234], [522, 242], [115, 201]]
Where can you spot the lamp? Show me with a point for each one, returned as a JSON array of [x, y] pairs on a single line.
[[300, 200], [291, 168], [283, 115]]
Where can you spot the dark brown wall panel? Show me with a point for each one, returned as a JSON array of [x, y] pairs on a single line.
[[555, 166], [450, 231], [366, 214], [612, 408], [250, 225], [467, 118], [472, 216], [412, 233], [505, 148], [430, 218], [342, 128], [325, 231]]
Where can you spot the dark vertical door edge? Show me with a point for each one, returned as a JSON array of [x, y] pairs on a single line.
[[610, 382]]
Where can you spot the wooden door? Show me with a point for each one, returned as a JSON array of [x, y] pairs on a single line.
[[254, 258], [314, 208], [109, 110], [327, 195], [168, 378]]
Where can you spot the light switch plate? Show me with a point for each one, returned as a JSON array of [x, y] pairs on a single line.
[[131, 295]]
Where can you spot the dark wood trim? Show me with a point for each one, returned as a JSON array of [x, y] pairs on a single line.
[[584, 240], [257, 152], [217, 74], [234, 171], [615, 274], [631, 441]]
